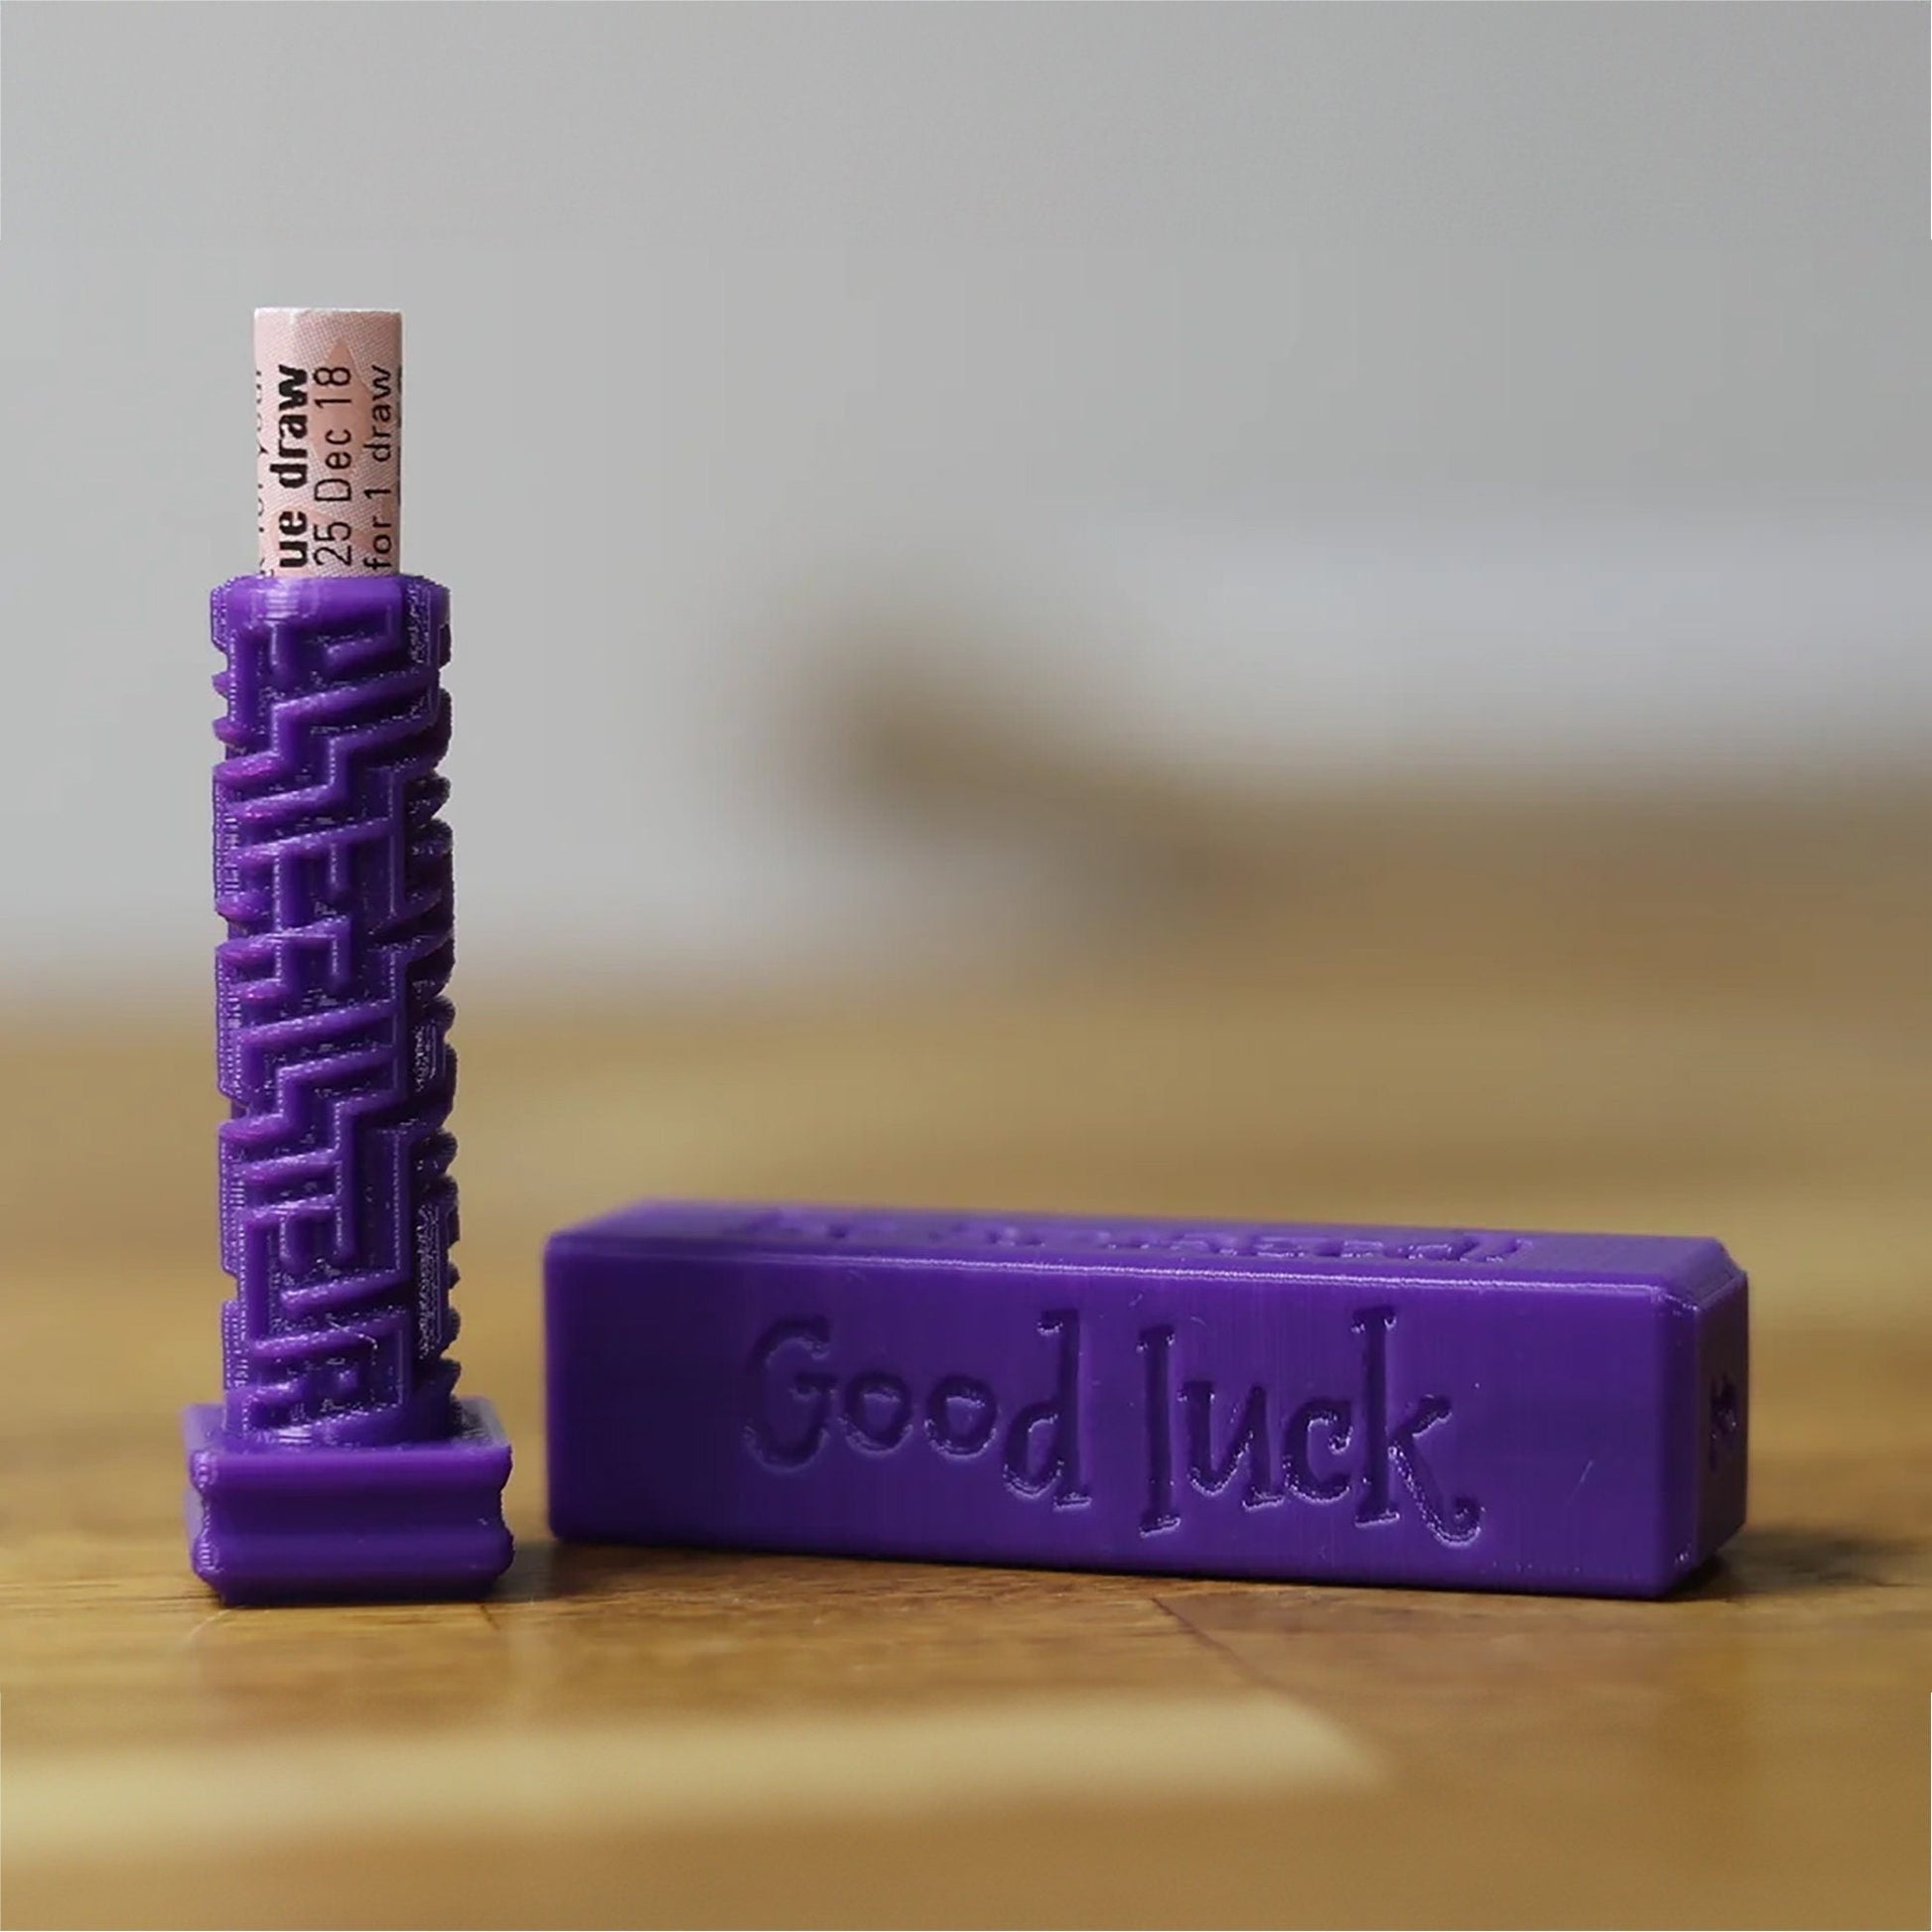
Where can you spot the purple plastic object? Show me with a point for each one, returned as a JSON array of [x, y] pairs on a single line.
[[340, 1462], [1473, 1410]]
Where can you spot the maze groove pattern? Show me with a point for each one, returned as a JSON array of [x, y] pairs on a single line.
[[333, 871]]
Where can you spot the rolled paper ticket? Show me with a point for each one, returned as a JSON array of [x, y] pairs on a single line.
[[1469, 1408], [329, 441]]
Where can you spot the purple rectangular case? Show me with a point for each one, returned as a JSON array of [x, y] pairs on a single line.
[[1459, 1409]]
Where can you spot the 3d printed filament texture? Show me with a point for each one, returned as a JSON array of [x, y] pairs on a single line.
[[339, 1463]]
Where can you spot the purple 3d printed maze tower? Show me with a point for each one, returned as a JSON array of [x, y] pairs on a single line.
[[340, 1462]]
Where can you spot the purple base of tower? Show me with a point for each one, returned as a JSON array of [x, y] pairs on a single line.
[[295, 1522]]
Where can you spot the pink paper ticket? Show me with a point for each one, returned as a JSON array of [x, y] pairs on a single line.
[[329, 441]]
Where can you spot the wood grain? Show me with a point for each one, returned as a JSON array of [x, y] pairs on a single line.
[[1700, 1026]]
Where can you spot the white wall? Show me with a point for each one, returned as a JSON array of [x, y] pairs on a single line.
[[1336, 394]]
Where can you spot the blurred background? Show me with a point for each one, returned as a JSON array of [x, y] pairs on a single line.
[[1414, 511], [1310, 612], [862, 443]]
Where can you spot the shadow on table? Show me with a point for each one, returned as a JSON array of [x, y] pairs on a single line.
[[1776, 1561], [1785, 1560]]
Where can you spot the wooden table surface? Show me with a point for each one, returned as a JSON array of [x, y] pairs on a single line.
[[1690, 1021]]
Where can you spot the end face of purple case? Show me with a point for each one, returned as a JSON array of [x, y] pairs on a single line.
[[1450, 1408]]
